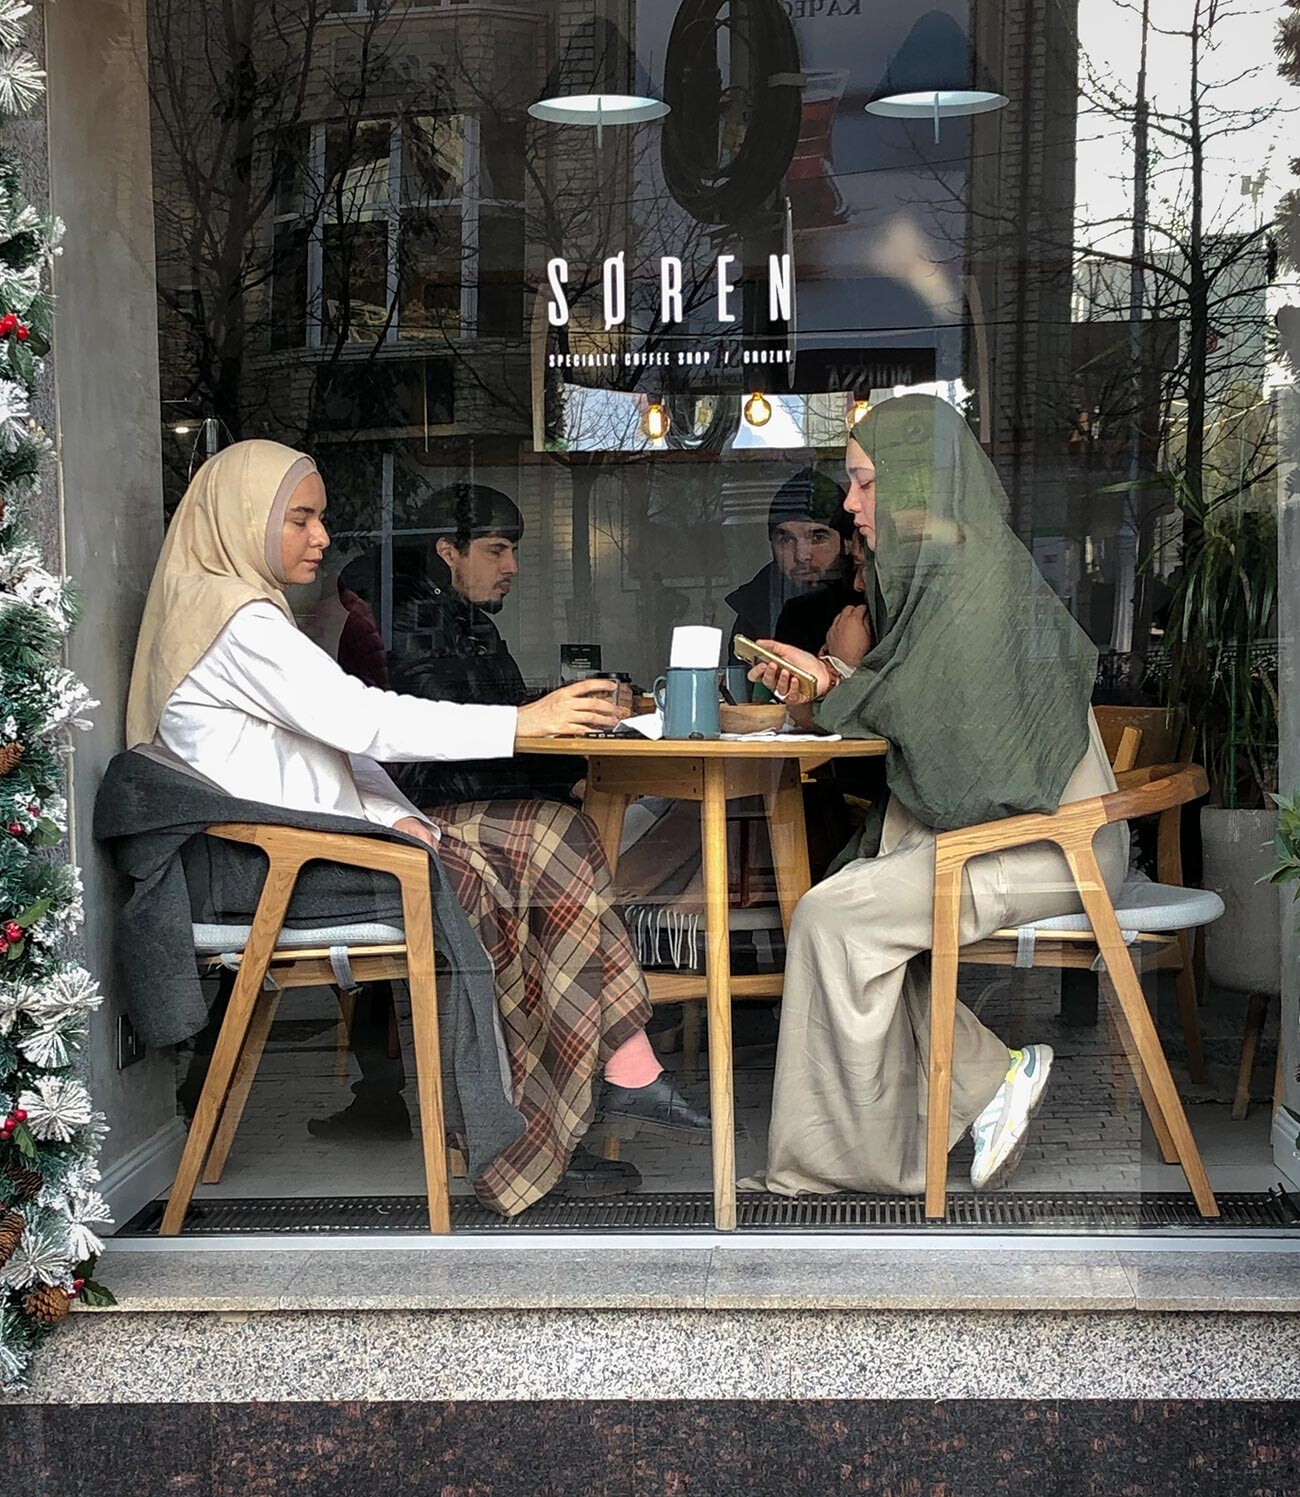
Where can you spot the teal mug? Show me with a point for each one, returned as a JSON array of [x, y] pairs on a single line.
[[688, 700]]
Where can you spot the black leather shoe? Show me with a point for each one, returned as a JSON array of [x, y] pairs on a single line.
[[659, 1110], [588, 1178], [364, 1122]]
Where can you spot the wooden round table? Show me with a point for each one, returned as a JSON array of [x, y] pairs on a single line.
[[712, 772]]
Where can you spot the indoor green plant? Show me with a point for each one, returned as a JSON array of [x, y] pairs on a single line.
[[1222, 642]]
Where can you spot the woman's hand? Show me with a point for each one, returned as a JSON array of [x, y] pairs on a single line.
[[785, 687], [849, 637], [413, 827], [584, 707]]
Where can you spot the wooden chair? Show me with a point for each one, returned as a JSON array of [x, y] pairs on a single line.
[[1158, 913], [311, 959], [1163, 738]]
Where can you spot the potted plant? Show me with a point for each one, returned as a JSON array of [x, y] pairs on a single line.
[[1222, 642]]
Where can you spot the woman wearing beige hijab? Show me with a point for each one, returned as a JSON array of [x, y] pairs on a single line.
[[226, 681]]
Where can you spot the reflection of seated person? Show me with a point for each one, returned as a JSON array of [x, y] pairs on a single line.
[[446, 646], [806, 526]]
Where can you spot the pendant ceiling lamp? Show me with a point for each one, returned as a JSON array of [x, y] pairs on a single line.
[[597, 83], [935, 75]]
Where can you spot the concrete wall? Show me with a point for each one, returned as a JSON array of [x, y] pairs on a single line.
[[108, 427]]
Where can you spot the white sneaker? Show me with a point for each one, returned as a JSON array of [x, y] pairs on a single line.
[[999, 1131]]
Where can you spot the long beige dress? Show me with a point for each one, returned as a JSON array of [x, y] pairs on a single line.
[[849, 1103]]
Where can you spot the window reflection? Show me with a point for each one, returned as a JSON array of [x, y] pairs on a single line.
[[366, 268]]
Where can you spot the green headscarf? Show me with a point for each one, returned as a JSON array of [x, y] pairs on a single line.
[[979, 677]]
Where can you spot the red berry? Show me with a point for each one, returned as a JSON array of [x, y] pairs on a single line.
[[7, 324], [15, 828], [33, 809], [24, 333], [13, 931], [19, 1114]]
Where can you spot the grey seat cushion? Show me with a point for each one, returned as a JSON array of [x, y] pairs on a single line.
[[1143, 906], [217, 940]]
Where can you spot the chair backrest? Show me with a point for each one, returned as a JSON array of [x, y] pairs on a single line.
[[1164, 737]]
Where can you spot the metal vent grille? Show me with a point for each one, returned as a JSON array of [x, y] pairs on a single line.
[[1035, 1211]]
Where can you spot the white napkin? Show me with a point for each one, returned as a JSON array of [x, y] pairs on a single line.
[[773, 734], [649, 725]]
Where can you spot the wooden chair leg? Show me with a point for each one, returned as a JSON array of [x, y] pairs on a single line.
[[347, 998], [267, 922], [1126, 1050], [718, 959], [421, 982], [250, 1059], [612, 1148], [457, 1164], [788, 834], [1132, 1002], [943, 1019], [1189, 1009], [1255, 1017]]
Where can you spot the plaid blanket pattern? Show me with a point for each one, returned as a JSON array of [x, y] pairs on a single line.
[[534, 881]]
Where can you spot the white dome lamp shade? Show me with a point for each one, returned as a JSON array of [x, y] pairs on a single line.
[[598, 83], [935, 76]]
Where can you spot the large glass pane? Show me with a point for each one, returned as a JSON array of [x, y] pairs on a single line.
[[431, 272], [355, 281], [433, 156], [356, 168], [501, 287], [575, 386]]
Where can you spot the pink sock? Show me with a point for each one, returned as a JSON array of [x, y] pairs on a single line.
[[633, 1064]]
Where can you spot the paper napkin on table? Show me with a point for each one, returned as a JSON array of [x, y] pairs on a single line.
[[772, 735], [648, 725]]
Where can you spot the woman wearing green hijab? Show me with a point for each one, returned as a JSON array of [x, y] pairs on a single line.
[[980, 680]]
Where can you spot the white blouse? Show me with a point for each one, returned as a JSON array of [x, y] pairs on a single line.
[[270, 717]]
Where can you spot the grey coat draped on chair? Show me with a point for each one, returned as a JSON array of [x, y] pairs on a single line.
[[151, 811]]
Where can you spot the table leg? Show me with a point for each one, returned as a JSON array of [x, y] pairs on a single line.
[[718, 954], [607, 810], [788, 833]]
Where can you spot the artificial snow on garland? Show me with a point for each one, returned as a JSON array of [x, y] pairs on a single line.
[[51, 1211]]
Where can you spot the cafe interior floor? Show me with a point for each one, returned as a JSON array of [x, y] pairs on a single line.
[[1086, 1136]]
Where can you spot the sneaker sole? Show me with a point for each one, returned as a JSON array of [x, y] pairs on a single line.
[[1008, 1167]]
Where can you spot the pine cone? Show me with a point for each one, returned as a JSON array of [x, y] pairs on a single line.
[[29, 1184], [12, 1225], [11, 755], [48, 1304]]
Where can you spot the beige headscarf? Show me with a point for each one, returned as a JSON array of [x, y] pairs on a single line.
[[222, 551]]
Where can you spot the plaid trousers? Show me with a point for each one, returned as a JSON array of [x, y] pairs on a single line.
[[534, 881]]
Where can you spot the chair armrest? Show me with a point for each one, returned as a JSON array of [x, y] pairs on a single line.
[[291, 847], [1142, 792], [1074, 823]]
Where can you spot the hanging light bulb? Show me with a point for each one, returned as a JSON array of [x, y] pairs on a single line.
[[858, 411], [655, 422], [758, 409]]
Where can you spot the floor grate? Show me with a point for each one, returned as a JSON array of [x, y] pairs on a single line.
[[1032, 1211]]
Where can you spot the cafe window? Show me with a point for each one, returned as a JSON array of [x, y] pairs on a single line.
[[640, 338]]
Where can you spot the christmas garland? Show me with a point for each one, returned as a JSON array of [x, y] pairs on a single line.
[[50, 1207]]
